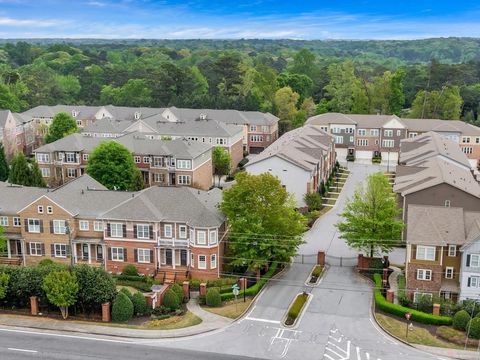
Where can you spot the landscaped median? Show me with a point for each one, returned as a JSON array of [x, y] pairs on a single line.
[[315, 275], [296, 308]]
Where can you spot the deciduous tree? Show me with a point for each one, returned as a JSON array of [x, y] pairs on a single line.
[[62, 125], [3, 164], [221, 160], [437, 104], [61, 288], [286, 105]]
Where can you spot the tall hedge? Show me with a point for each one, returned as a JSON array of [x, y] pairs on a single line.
[[139, 304], [213, 297], [170, 300], [474, 328], [179, 291], [460, 320], [122, 309]]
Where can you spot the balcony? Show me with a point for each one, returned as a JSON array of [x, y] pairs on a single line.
[[176, 243]]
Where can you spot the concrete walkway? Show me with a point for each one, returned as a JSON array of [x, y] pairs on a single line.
[[393, 281], [210, 322], [449, 353]]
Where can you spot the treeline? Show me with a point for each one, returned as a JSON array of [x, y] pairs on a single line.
[[290, 83]]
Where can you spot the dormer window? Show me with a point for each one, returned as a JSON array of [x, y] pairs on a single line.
[[203, 116], [74, 113], [137, 115]]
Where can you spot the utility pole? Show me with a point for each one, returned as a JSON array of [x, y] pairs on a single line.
[[68, 230]]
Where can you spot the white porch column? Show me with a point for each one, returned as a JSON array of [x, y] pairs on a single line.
[[9, 251], [188, 257], [159, 259], [174, 259], [74, 253], [89, 253]]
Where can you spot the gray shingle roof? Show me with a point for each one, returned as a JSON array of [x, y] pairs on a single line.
[[107, 125], [15, 197], [226, 116], [3, 117]]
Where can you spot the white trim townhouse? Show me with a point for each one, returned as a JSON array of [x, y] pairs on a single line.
[[470, 265]]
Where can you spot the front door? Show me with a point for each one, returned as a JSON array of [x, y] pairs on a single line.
[[85, 251], [168, 256], [183, 257], [18, 246]]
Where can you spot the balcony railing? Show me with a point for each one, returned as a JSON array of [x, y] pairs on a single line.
[[178, 243]]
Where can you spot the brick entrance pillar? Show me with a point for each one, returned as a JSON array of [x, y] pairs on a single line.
[[436, 309], [106, 312], [186, 289], [321, 258], [390, 296], [203, 289], [34, 305], [242, 283]]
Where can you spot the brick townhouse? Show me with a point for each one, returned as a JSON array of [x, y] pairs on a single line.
[[162, 162], [168, 232]]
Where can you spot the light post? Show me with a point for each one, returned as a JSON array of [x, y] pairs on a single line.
[[68, 231], [388, 161]]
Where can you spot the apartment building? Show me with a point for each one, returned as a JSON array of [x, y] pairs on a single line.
[[470, 264], [368, 136], [162, 162], [301, 159], [168, 232]]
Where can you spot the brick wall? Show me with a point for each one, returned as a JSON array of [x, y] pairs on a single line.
[[130, 247], [236, 153], [202, 176], [424, 285]]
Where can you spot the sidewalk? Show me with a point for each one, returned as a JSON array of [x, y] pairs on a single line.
[[393, 281], [210, 322], [450, 353]]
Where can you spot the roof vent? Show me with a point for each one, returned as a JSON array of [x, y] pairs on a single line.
[[203, 116], [137, 115]]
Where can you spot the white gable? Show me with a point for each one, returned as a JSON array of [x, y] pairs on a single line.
[[139, 126], [167, 114], [102, 113], [393, 123]]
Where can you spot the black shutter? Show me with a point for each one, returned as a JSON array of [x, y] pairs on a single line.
[[41, 226], [135, 255], [26, 225], [468, 261], [109, 231], [151, 256], [52, 250], [27, 244], [51, 227], [109, 253], [125, 258], [469, 280], [134, 231], [150, 231], [69, 250], [124, 228], [43, 249]]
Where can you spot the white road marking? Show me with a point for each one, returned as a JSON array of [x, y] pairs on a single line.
[[285, 340], [382, 333], [23, 350], [262, 320]]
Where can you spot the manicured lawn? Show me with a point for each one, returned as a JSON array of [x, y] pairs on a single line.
[[175, 322], [131, 289], [230, 309]]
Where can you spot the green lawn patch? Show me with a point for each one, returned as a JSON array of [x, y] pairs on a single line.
[[296, 308]]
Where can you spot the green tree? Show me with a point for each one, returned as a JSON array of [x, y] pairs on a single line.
[[371, 217], [62, 125], [135, 92], [3, 241], [386, 93], [309, 107], [36, 178], [19, 172], [313, 201], [304, 63], [262, 216], [299, 83], [137, 181], [4, 278], [3, 164], [61, 288], [437, 104], [111, 164], [122, 309], [8, 99], [221, 160], [286, 106]]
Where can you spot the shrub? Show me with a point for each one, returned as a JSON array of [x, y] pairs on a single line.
[[139, 304], [46, 262], [400, 311], [4, 278], [226, 281], [170, 300], [296, 308], [122, 309], [195, 284], [474, 328], [139, 285], [350, 157], [213, 298], [375, 266], [61, 288], [95, 287], [425, 303], [134, 278], [130, 270], [126, 292], [313, 201], [460, 320], [177, 289]]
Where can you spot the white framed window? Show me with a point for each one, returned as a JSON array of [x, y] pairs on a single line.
[[84, 225], [137, 159], [85, 157], [17, 222], [143, 255], [36, 249], [59, 226], [474, 260], [143, 231], [70, 157], [412, 135], [201, 237], [43, 158], [449, 272], [40, 209], [79, 122], [425, 253], [213, 237], [399, 132], [71, 173], [362, 142], [417, 295], [3, 220], [424, 274], [466, 139], [221, 141], [477, 140], [388, 143], [213, 261], [159, 178], [202, 262], [452, 250], [256, 138], [117, 254], [116, 230], [146, 160], [45, 172], [33, 225], [388, 133], [49, 209], [183, 179], [447, 203], [336, 130], [184, 164], [361, 132], [473, 281], [350, 130], [467, 150], [253, 128], [182, 230], [351, 139], [97, 226], [376, 141], [167, 230], [338, 139], [60, 250], [373, 132]]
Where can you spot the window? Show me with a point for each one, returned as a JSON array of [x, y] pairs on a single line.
[[361, 132], [34, 225], [159, 178], [399, 132], [117, 254], [473, 281], [424, 274], [213, 237], [349, 130], [17, 222], [425, 253], [36, 249], [84, 225], [167, 230], [59, 226], [466, 139], [45, 172], [116, 230], [137, 159], [201, 237], [192, 260], [373, 132], [351, 139], [143, 231], [158, 161], [253, 128], [412, 135], [97, 226], [60, 250], [184, 164], [70, 157], [474, 260], [49, 209], [43, 158], [449, 272], [376, 141], [452, 250], [40, 209], [336, 130], [324, 128], [256, 138], [183, 179], [143, 255], [202, 262], [362, 142], [182, 231], [146, 160], [71, 173], [79, 122], [467, 150], [213, 261], [388, 133], [221, 141], [447, 203], [85, 157], [338, 139], [388, 143], [418, 295], [3, 220]]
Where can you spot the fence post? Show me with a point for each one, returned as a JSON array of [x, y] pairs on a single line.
[[436, 309], [321, 258], [390, 295], [34, 305], [203, 289], [186, 289], [106, 312]]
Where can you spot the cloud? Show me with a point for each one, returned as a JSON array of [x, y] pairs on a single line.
[[7, 21], [96, 3]]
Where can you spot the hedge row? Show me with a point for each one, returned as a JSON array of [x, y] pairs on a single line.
[[296, 307], [139, 285], [400, 311], [253, 290]]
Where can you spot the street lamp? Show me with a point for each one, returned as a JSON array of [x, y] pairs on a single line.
[[68, 231]]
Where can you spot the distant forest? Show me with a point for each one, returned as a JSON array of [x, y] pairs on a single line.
[[294, 79]]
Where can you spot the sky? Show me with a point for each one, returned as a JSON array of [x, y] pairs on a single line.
[[216, 19]]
